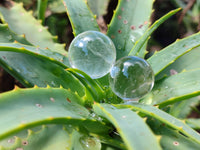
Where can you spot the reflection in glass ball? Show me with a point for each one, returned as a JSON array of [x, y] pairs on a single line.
[[92, 52], [131, 78]]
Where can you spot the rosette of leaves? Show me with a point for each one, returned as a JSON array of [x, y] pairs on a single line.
[[61, 109]]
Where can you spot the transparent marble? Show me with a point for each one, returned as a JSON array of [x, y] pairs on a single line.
[[131, 78], [92, 52]]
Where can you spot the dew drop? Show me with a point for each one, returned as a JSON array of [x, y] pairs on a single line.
[[92, 52], [131, 78], [90, 143]]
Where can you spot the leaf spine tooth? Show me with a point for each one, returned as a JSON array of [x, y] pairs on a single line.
[[48, 86], [16, 88], [35, 86]]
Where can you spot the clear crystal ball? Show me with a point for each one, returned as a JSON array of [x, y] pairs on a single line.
[[131, 78], [92, 52]]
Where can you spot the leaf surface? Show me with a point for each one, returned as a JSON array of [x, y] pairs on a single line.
[[129, 22], [33, 107], [175, 88], [130, 126], [165, 118], [22, 22], [160, 60], [81, 17]]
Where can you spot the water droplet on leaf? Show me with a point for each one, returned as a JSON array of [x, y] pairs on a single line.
[[90, 143], [131, 78], [92, 52]]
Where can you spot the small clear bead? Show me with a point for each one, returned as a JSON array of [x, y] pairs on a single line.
[[92, 52], [131, 78]]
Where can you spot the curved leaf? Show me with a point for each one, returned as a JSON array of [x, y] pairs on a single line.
[[22, 22], [166, 119], [130, 126], [33, 107], [128, 24], [137, 49], [7, 36], [46, 138], [55, 57], [175, 88], [30, 71], [80, 16], [160, 60]]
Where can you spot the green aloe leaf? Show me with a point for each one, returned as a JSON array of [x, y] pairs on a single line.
[[174, 88], [57, 6], [130, 126], [98, 7], [33, 107], [193, 123], [7, 36], [186, 105], [22, 22], [171, 139], [81, 17], [166, 119], [47, 137], [31, 70], [55, 57], [160, 60], [130, 21], [138, 47], [184, 63]]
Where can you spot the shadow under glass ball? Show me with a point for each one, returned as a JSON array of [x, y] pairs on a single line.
[[131, 78], [92, 52]]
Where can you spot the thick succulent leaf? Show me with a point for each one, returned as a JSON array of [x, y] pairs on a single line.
[[128, 24], [130, 126], [81, 18], [183, 108], [22, 22], [174, 88], [166, 119], [46, 138], [188, 61], [160, 60], [98, 7], [30, 70], [171, 139], [193, 123], [57, 6], [138, 49], [55, 57], [20, 109], [7, 36]]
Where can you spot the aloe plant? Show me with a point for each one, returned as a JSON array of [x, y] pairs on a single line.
[[63, 108]]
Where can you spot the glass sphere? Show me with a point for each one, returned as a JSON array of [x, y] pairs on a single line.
[[92, 52], [131, 78]]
